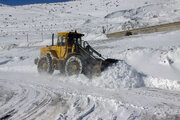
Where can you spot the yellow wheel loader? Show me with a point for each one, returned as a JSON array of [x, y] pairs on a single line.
[[72, 56]]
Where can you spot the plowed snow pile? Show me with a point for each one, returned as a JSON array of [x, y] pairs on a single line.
[[120, 75]]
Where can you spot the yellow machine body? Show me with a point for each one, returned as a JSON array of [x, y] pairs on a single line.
[[61, 49], [71, 56]]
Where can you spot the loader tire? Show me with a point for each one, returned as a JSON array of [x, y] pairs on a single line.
[[74, 65], [45, 65]]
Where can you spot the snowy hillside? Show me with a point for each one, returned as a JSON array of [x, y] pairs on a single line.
[[144, 85], [87, 16]]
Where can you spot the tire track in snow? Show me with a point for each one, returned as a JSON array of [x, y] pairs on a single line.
[[87, 102], [28, 102]]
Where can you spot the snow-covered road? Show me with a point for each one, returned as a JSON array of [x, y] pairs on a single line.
[[29, 96]]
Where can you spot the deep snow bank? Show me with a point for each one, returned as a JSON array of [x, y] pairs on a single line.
[[161, 83], [162, 66], [120, 75], [172, 58]]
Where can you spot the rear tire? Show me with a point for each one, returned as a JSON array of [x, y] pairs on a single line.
[[45, 65], [74, 65]]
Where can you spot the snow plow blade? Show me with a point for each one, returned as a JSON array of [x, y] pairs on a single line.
[[108, 62], [98, 67]]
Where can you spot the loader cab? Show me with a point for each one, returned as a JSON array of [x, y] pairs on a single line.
[[66, 43], [74, 38], [69, 38]]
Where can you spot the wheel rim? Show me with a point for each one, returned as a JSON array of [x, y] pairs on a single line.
[[73, 66], [43, 66]]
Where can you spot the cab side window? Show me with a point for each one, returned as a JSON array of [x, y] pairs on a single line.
[[59, 41], [63, 40]]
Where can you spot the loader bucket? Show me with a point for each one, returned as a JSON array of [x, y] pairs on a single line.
[[108, 62], [98, 67]]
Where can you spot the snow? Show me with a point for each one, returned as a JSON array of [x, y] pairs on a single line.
[[144, 84], [120, 75]]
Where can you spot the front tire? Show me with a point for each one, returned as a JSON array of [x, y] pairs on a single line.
[[45, 65], [74, 65]]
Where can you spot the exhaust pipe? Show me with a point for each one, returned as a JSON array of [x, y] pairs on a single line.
[[53, 39]]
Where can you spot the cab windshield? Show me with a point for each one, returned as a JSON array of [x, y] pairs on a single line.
[[74, 38]]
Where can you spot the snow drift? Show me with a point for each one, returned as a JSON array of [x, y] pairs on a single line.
[[120, 75]]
